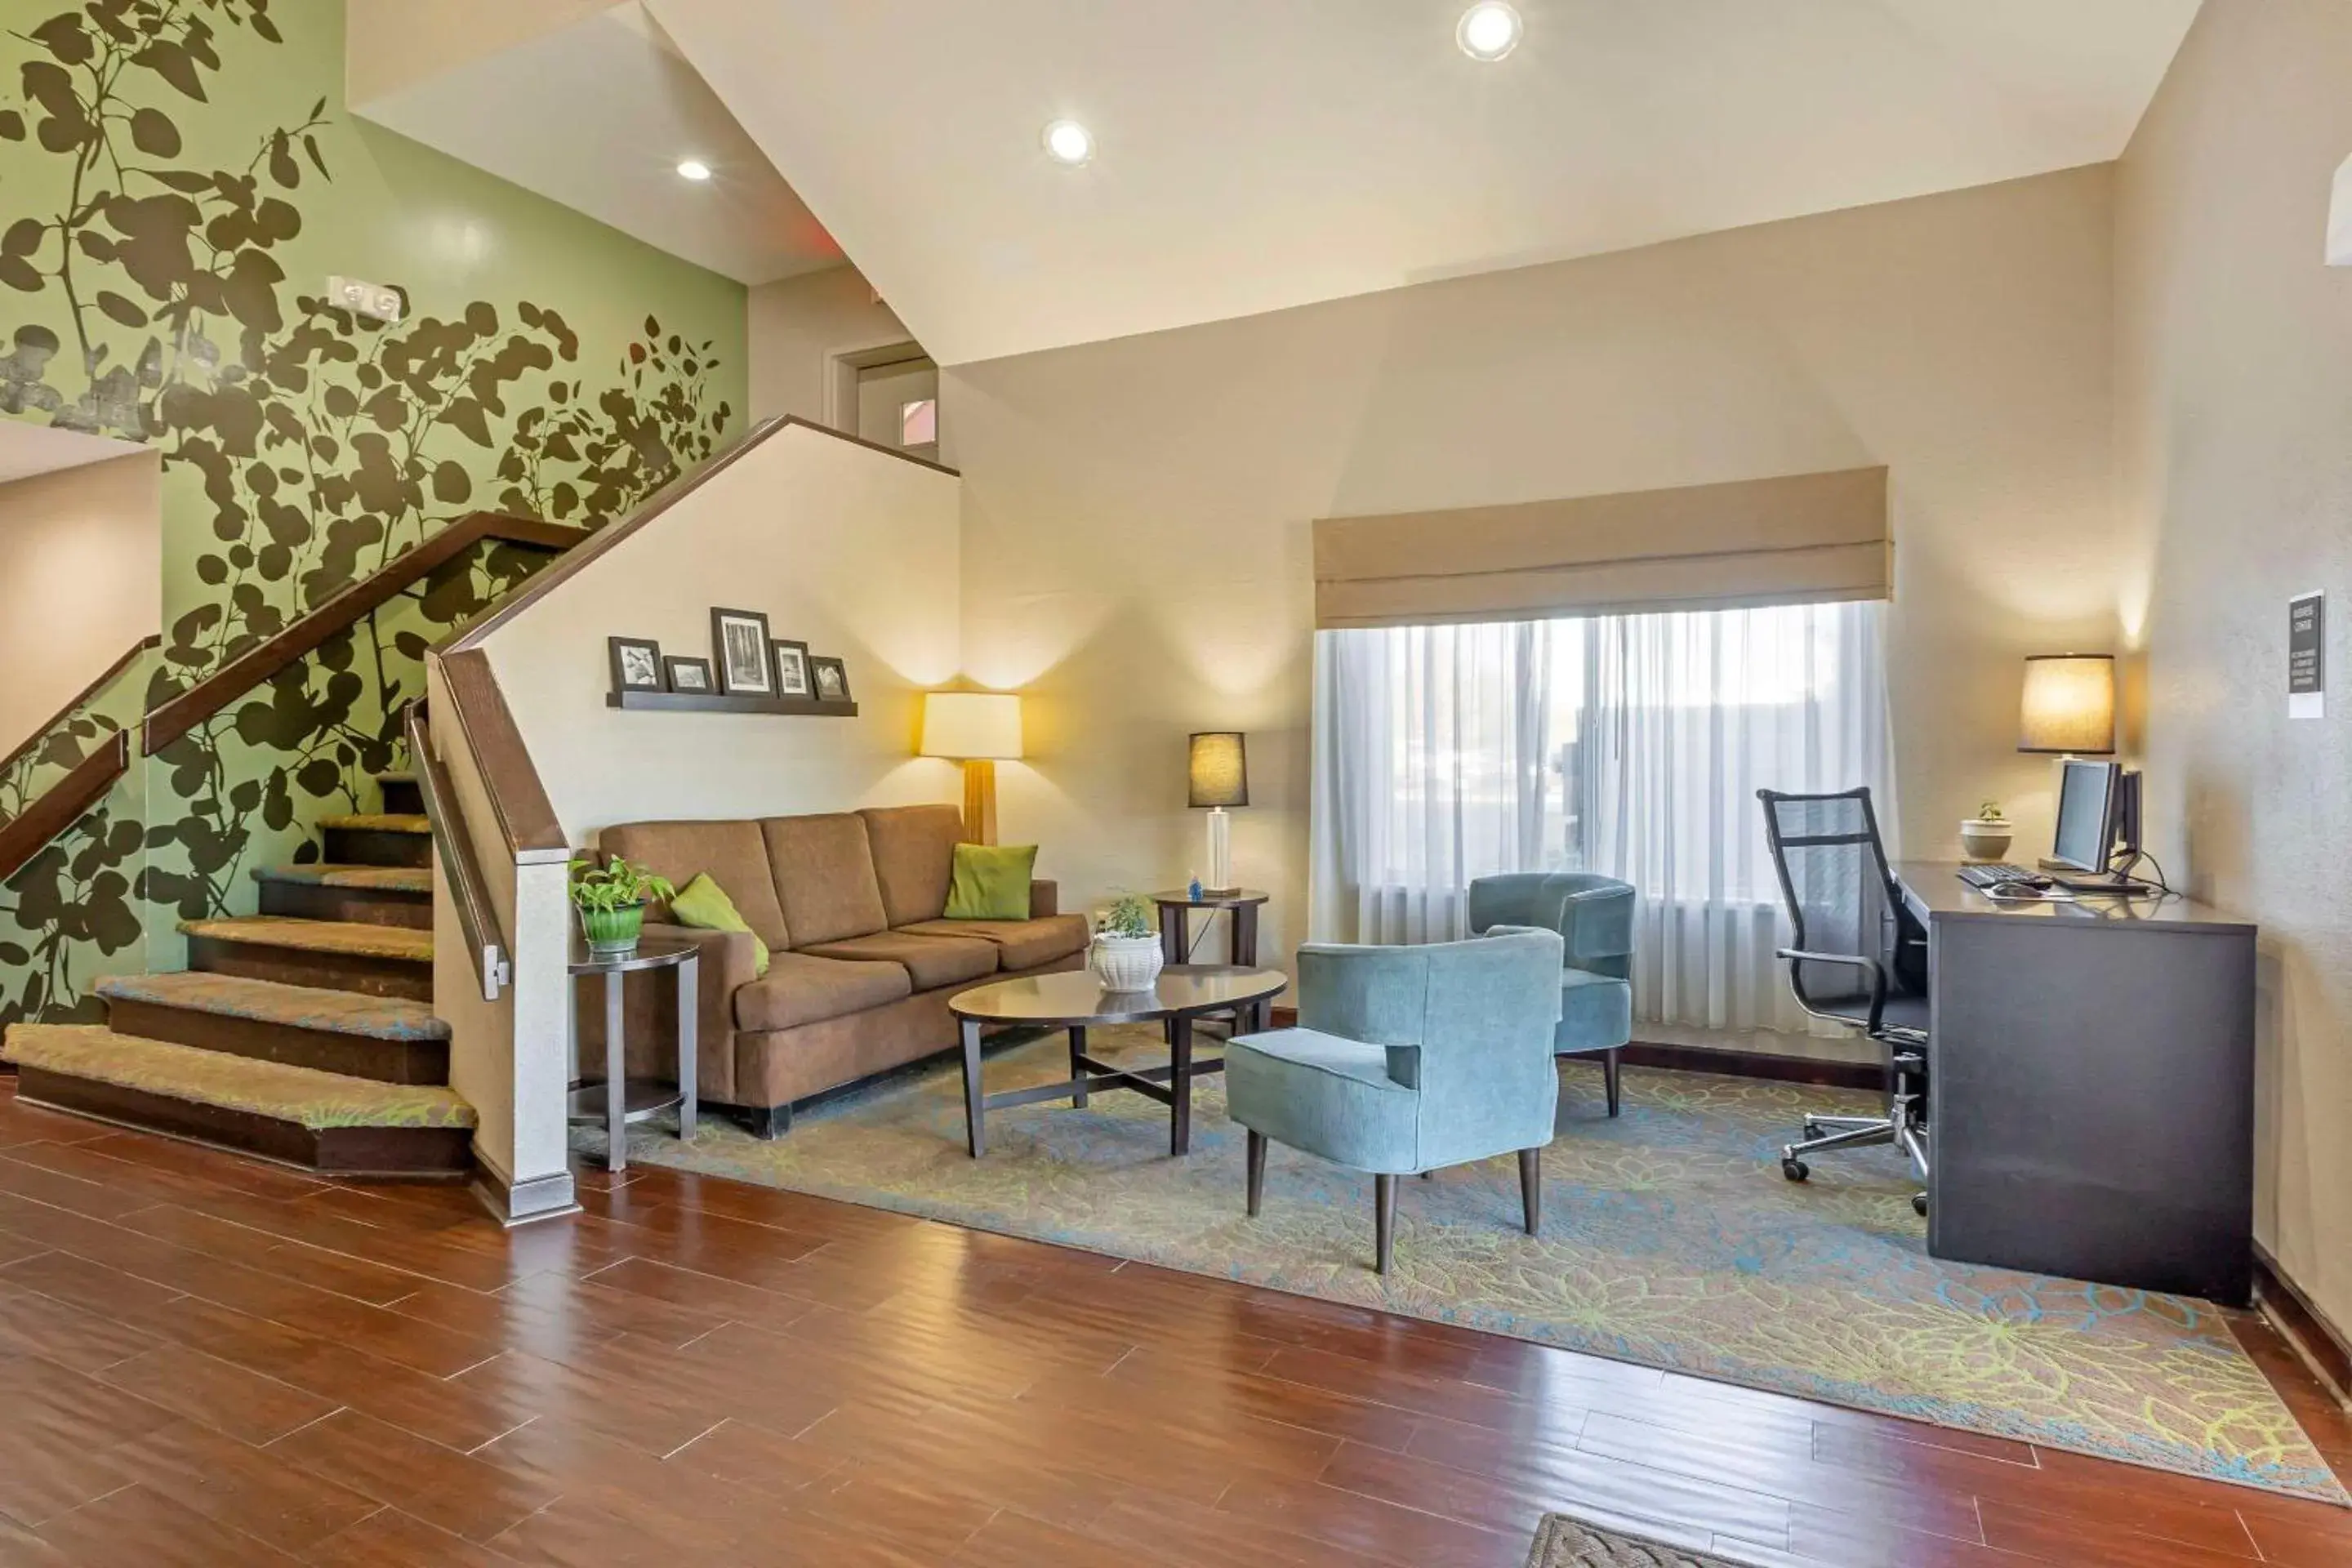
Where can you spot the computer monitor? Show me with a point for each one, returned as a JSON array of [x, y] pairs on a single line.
[[2087, 797]]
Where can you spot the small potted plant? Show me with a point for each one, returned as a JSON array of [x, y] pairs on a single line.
[[1986, 836], [612, 900], [1126, 952]]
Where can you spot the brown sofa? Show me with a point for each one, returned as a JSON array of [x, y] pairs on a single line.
[[851, 905]]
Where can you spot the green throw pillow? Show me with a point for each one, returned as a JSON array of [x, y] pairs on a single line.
[[704, 904], [990, 882]]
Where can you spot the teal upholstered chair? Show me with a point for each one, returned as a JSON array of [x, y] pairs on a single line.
[[1594, 916], [1406, 1060]]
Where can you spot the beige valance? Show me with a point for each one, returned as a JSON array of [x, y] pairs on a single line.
[[1802, 538]]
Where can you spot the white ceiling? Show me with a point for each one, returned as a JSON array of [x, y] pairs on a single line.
[[1260, 153], [30, 449], [596, 113]]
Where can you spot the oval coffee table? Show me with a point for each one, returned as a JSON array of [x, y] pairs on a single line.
[[1074, 1000]]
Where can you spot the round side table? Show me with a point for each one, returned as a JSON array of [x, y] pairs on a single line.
[[620, 1100], [1175, 925]]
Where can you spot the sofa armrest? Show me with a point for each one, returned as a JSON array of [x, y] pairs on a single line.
[[1044, 899], [650, 1018]]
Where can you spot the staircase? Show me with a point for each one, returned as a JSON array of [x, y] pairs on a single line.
[[303, 1034]]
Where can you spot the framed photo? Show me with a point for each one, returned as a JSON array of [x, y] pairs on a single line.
[[747, 666], [636, 664], [792, 669], [831, 678], [690, 677]]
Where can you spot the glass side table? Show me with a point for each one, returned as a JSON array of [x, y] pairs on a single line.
[[620, 1100]]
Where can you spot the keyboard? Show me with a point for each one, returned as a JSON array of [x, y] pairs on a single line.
[[1985, 877]]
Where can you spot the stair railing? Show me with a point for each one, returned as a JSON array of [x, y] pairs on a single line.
[[72, 797], [469, 889]]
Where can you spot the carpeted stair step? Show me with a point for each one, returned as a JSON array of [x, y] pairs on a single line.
[[361, 895], [321, 1120], [335, 955], [378, 839], [385, 1039], [401, 795]]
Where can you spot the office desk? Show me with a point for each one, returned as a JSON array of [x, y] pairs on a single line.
[[2091, 1087]]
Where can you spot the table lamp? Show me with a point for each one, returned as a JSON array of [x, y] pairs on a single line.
[[1219, 775], [2069, 707], [976, 729]]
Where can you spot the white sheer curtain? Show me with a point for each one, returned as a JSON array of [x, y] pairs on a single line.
[[1631, 745]]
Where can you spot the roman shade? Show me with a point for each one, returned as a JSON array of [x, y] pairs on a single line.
[[1800, 539]]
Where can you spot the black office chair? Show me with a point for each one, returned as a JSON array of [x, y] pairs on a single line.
[[1859, 960]]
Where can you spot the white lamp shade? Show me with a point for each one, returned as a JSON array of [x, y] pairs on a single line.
[[2069, 704], [972, 724]]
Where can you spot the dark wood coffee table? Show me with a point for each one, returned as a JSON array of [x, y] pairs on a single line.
[[1074, 1000]]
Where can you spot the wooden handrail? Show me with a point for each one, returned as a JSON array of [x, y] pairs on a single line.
[[32, 741], [64, 804], [526, 820], [248, 669], [461, 869]]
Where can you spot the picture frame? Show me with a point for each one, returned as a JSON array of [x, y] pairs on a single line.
[[793, 677], [830, 677], [739, 648], [690, 677], [636, 664]]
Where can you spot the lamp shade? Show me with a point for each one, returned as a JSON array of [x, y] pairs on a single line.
[[2069, 704], [1219, 772], [972, 724]]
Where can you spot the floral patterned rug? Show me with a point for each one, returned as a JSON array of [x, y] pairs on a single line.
[[1669, 1238]]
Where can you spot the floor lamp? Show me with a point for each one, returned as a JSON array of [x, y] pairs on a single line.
[[978, 728]]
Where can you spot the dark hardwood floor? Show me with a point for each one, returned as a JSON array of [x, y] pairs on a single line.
[[205, 1360]]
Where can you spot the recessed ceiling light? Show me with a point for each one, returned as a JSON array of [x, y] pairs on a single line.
[[1489, 30], [694, 169], [1068, 142]]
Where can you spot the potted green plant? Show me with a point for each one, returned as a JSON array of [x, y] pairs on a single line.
[[1125, 955], [612, 900], [1986, 836]]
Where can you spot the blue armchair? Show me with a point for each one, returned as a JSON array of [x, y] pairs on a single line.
[[1406, 1060], [1594, 916]]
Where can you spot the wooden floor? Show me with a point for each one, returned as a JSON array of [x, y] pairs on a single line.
[[204, 1361]]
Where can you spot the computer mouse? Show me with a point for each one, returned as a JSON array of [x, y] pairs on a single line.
[[2013, 889]]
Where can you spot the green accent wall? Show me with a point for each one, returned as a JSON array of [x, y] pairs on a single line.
[[178, 178]]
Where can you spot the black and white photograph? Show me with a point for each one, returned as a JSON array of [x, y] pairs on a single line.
[[636, 664], [739, 640], [831, 678], [792, 669], [689, 676]]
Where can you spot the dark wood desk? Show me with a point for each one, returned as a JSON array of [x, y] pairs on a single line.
[[2091, 1092]]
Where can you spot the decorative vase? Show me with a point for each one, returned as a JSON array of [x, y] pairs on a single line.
[[1985, 837], [1125, 963], [611, 933]]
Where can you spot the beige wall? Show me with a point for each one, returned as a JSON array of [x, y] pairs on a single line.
[[849, 549], [2235, 391], [392, 44], [1136, 537], [82, 579], [797, 325]]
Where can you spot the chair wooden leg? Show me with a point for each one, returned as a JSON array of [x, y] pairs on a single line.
[[1257, 1172], [1385, 1192], [1611, 1061], [1531, 1187]]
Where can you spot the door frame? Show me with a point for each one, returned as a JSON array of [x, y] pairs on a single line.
[[841, 369]]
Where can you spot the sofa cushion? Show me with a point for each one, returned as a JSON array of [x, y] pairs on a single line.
[[731, 853], [803, 989], [825, 876], [930, 961], [1021, 944], [914, 845]]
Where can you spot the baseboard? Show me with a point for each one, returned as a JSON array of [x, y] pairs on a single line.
[[513, 1203], [2324, 1347], [1756, 1063], [1282, 1018]]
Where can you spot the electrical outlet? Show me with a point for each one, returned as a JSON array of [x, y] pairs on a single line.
[[375, 301]]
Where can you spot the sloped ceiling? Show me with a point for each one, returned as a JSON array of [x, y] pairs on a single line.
[[1254, 154]]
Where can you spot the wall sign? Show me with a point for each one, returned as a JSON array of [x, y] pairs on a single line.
[[2307, 656]]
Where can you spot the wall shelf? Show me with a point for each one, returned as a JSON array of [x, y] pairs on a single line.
[[713, 703]]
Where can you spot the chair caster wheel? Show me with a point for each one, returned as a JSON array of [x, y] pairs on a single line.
[[1796, 1170], [1919, 1205]]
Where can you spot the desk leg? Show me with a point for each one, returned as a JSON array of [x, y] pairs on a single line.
[[1077, 1069], [689, 1016], [1174, 932], [975, 1137], [617, 1078], [1180, 1081], [1245, 935]]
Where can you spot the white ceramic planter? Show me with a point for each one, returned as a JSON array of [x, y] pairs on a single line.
[[1125, 963], [1986, 838]]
